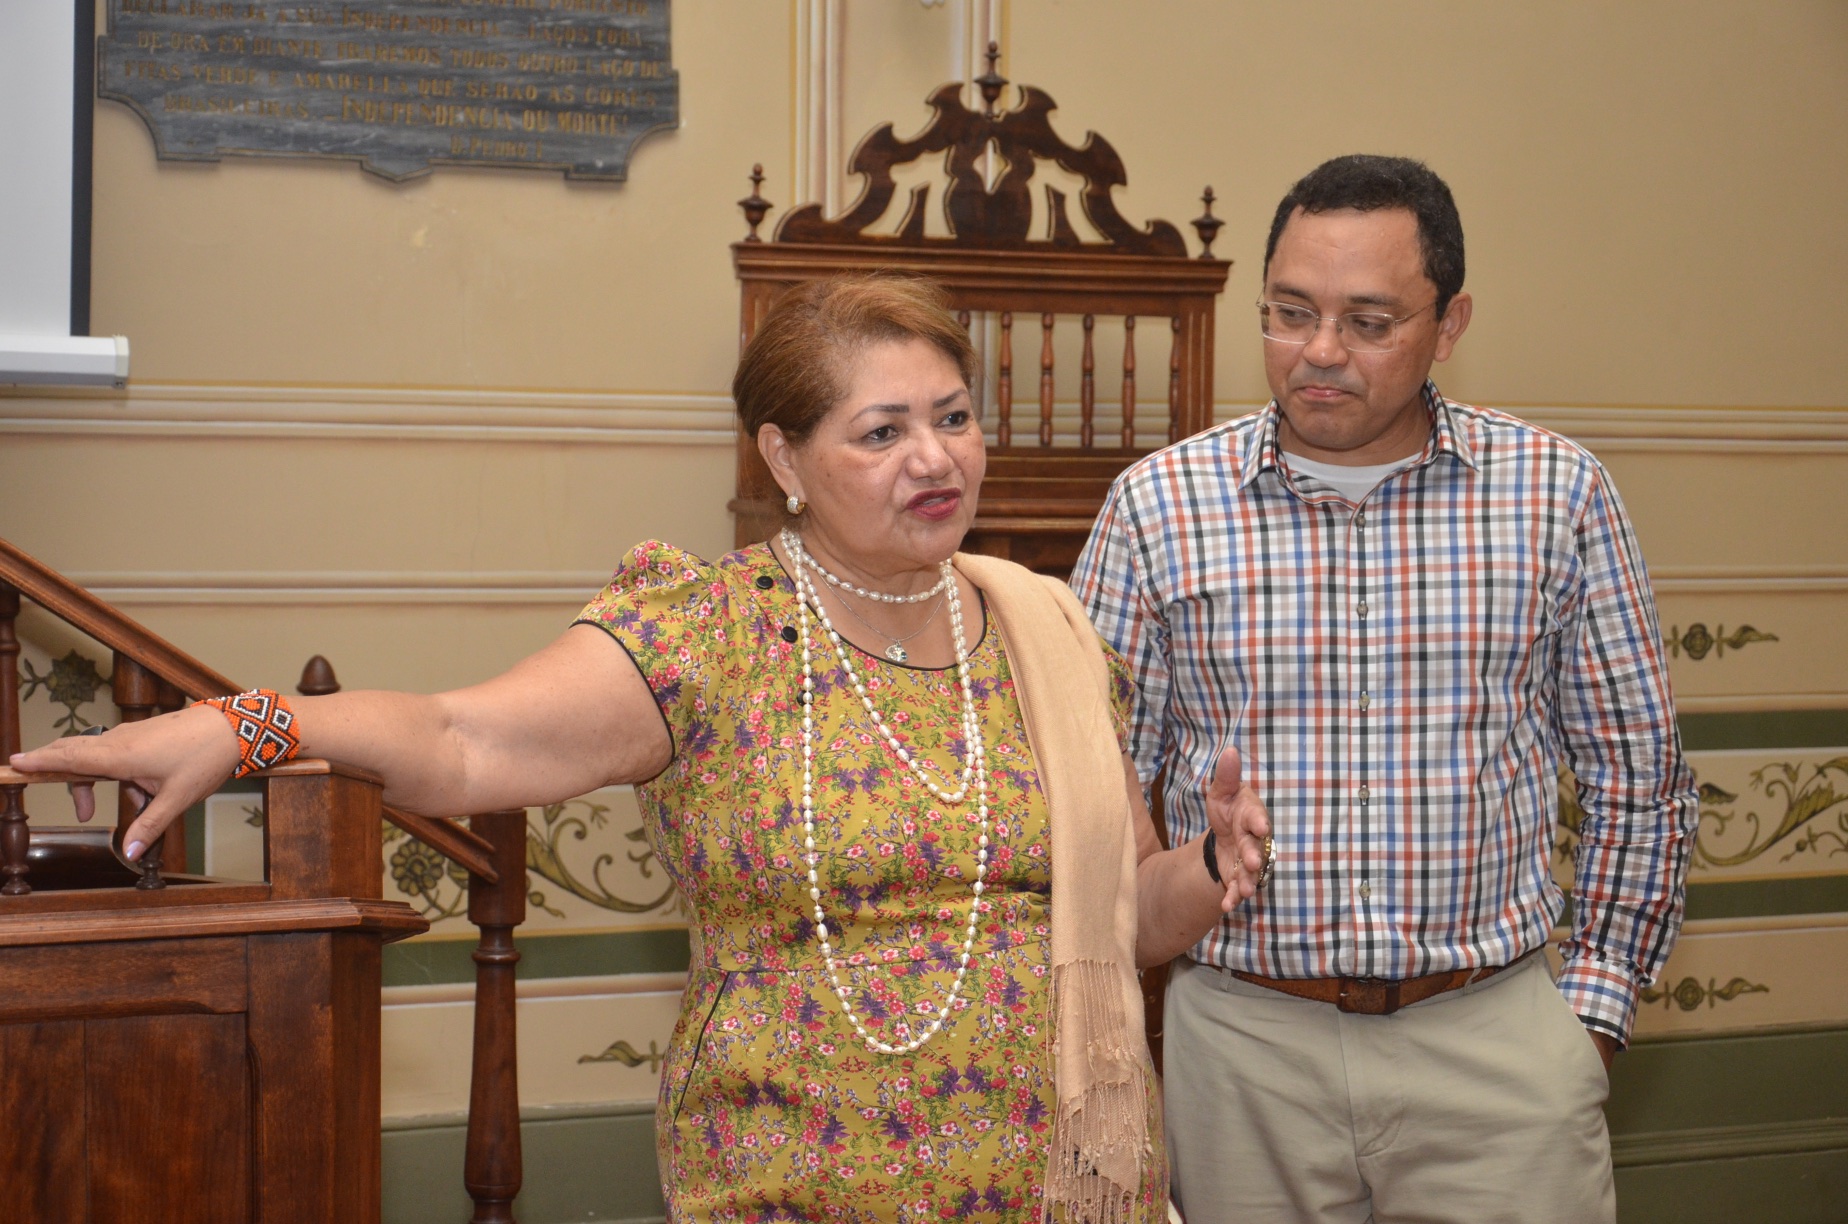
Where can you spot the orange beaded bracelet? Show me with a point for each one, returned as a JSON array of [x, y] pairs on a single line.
[[265, 728]]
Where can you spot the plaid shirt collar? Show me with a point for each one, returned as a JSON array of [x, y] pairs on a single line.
[[1445, 439]]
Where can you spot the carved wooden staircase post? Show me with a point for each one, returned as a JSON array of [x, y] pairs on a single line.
[[492, 1171]]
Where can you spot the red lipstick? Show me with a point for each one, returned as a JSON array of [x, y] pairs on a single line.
[[935, 504]]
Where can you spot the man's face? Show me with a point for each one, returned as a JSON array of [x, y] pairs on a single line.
[[1356, 408]]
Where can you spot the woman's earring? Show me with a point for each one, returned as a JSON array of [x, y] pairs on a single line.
[[793, 504]]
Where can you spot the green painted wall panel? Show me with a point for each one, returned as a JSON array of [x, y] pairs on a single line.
[[1697, 1083], [1801, 1188], [581, 1167]]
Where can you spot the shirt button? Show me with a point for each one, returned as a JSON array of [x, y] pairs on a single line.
[[765, 582], [789, 633], [1365, 701], [1364, 793], [1362, 609], [1360, 520], [1366, 890]]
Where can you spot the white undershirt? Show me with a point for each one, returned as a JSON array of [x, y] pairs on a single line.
[[1352, 483]]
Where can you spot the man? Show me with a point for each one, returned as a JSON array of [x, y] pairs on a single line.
[[1404, 613]]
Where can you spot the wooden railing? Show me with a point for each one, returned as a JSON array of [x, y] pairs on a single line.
[[151, 676]]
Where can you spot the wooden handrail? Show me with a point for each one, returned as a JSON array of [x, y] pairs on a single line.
[[75, 606], [78, 608]]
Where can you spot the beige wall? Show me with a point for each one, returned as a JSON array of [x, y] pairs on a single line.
[[412, 426], [1651, 193]]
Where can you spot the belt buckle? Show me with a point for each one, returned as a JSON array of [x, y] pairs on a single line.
[[1368, 996]]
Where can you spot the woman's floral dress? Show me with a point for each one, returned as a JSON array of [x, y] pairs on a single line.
[[771, 1107]]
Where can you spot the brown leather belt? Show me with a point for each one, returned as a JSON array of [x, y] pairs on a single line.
[[1375, 996]]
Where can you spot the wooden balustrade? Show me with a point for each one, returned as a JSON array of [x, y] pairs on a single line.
[[302, 978]]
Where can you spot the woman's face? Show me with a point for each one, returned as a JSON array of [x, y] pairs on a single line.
[[892, 473]]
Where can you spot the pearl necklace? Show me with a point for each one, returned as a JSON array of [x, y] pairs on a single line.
[[945, 580], [975, 763]]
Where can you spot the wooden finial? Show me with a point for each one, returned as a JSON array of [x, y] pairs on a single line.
[[754, 205], [1208, 225], [992, 82], [317, 678]]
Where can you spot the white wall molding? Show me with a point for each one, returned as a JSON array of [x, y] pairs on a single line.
[[1808, 431], [379, 414], [545, 587], [690, 419], [539, 988], [821, 154], [353, 588], [1793, 580]]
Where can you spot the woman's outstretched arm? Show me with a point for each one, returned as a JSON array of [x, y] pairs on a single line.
[[1177, 902], [575, 716]]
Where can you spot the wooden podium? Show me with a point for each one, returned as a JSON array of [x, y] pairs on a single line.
[[207, 1051], [179, 1048]]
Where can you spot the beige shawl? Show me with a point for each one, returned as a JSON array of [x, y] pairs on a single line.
[[1100, 1135]]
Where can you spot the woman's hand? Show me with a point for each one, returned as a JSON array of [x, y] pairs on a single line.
[[1240, 824], [177, 759], [1177, 900]]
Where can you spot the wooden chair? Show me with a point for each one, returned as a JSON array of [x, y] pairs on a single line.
[[1042, 491], [179, 1048]]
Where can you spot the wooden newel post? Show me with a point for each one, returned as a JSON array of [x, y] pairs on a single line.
[[492, 1170]]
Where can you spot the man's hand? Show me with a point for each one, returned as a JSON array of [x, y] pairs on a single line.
[[1240, 824], [1607, 1047]]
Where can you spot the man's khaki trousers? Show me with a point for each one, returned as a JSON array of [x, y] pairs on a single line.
[[1484, 1104]]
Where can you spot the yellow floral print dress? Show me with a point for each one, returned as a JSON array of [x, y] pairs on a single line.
[[771, 1108]]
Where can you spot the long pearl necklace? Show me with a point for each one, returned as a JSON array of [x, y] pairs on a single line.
[[975, 763]]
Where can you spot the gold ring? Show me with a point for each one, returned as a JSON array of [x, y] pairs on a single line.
[[1270, 861]]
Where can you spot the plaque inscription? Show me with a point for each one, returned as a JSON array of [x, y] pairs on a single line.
[[399, 85]]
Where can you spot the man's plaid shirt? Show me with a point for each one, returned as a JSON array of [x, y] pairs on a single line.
[[1403, 679]]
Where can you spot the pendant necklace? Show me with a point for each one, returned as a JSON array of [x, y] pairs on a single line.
[[975, 769], [896, 651]]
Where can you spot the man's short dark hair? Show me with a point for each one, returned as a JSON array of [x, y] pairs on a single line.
[[1367, 182]]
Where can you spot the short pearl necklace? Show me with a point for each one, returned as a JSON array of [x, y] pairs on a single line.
[[975, 763], [945, 581]]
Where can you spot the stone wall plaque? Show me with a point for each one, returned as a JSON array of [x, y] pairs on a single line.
[[398, 85]]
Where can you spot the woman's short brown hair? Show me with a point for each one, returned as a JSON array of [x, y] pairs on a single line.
[[795, 368]]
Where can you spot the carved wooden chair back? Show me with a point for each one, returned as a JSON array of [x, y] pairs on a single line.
[[1046, 478]]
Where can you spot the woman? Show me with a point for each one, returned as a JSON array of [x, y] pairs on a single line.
[[915, 850]]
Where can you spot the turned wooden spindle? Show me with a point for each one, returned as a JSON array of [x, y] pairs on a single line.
[[1174, 383], [1129, 380], [137, 696], [15, 838], [492, 1169], [1045, 429], [1207, 225], [1004, 383], [754, 205], [1087, 388]]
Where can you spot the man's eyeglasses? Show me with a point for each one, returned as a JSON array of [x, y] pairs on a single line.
[[1359, 331]]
